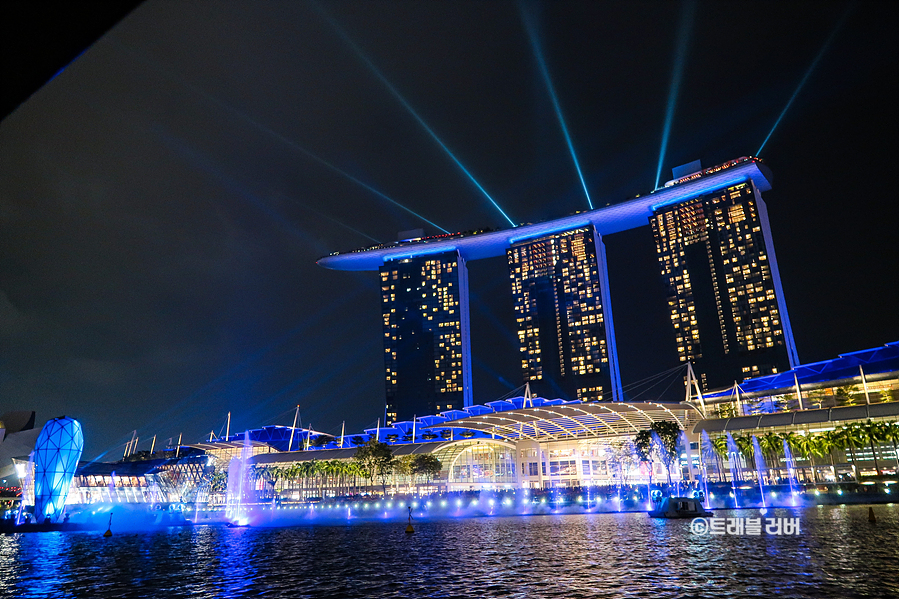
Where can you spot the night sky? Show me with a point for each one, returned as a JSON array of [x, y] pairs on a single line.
[[164, 199]]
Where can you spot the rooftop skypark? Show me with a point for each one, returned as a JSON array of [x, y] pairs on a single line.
[[612, 218]]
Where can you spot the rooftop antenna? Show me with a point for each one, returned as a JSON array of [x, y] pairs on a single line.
[[736, 393], [691, 378], [293, 429], [798, 391], [131, 443]]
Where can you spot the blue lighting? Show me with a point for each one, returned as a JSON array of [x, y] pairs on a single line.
[[56, 454], [324, 162], [544, 70], [680, 59], [335, 221], [551, 230], [280, 137], [396, 94], [805, 78]]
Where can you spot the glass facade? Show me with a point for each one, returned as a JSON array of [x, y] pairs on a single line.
[[723, 289], [427, 351], [483, 463], [564, 328]]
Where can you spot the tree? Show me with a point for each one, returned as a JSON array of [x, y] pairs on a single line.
[[875, 434], [402, 466], [827, 442], [219, 482], [375, 460], [623, 456], [646, 449], [890, 432], [426, 465], [847, 439], [320, 440], [661, 440], [844, 394], [808, 445], [727, 410], [770, 445]]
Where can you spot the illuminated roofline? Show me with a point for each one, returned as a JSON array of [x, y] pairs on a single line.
[[607, 220]]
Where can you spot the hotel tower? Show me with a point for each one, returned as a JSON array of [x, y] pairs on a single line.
[[722, 285]]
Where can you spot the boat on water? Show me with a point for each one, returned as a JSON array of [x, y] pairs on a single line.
[[679, 507]]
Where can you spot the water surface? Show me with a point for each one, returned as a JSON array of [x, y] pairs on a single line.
[[837, 554]]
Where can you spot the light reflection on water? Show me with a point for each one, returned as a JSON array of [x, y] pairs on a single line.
[[838, 554]]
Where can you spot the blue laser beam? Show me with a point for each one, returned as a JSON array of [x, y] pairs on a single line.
[[333, 220], [677, 73], [207, 165], [325, 163], [396, 94], [345, 174], [529, 25], [279, 137], [181, 409], [805, 78]]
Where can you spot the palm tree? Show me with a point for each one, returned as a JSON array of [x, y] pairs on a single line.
[[719, 444], [849, 438], [808, 446], [827, 442], [875, 433], [771, 445], [890, 432], [844, 394], [744, 444], [796, 444]]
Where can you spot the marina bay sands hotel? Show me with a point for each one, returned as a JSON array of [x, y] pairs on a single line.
[[716, 258]]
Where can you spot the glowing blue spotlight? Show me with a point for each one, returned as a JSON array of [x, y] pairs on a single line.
[[538, 54], [396, 94], [281, 138], [680, 59], [805, 78]]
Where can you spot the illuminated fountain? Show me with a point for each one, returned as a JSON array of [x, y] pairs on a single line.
[[241, 493], [733, 454], [701, 473], [707, 454], [760, 468], [791, 471]]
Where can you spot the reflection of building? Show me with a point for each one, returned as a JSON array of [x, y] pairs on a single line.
[[560, 290], [724, 294], [427, 356]]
